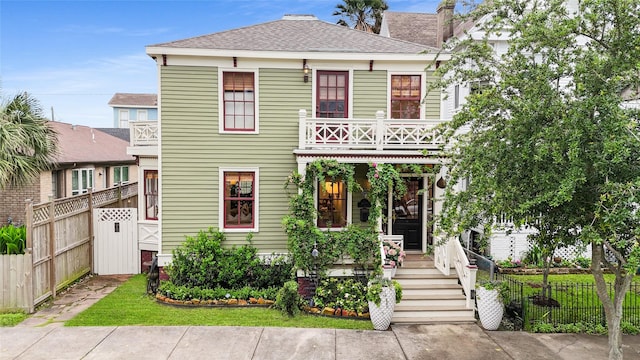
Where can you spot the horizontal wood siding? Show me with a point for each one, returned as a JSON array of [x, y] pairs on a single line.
[[369, 93], [193, 151], [432, 100], [189, 114]]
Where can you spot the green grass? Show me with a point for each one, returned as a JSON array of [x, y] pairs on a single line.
[[11, 319], [130, 305]]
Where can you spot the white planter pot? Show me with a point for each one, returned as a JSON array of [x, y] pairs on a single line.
[[490, 308], [389, 273], [381, 315]]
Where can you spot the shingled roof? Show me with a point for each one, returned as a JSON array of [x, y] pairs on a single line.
[[82, 144], [299, 33], [134, 100], [419, 28]]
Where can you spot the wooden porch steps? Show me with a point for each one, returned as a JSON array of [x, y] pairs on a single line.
[[428, 295]]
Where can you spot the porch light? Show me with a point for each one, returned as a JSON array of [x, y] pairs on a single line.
[[305, 70]]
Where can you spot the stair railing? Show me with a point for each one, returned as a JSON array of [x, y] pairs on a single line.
[[450, 253]]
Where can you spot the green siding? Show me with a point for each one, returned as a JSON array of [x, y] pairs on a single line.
[[432, 100], [369, 93], [193, 151]]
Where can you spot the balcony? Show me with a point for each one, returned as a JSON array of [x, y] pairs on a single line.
[[377, 134], [143, 138]]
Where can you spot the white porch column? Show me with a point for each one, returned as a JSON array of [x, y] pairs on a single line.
[[302, 129], [379, 130]]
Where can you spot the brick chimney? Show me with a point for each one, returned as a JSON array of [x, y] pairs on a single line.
[[445, 20]]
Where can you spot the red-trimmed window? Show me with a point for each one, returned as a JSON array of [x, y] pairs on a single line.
[[151, 194], [239, 101], [332, 203], [405, 96], [239, 199], [332, 94]]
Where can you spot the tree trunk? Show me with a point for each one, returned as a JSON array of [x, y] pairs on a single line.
[[612, 308]]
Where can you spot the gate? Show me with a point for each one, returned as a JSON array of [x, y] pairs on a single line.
[[115, 248]]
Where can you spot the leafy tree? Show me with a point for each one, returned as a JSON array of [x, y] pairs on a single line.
[[365, 15], [544, 139], [27, 144]]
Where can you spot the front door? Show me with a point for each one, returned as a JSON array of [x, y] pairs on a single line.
[[407, 214]]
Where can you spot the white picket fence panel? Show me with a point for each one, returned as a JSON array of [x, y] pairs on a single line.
[[115, 248]]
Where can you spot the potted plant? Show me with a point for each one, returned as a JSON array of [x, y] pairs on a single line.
[[382, 296], [490, 297], [393, 255]]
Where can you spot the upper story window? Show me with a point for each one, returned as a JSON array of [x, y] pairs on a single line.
[[81, 181], [123, 117], [239, 98], [239, 199], [120, 174], [405, 96], [332, 94], [151, 194], [332, 203], [142, 115], [456, 96]]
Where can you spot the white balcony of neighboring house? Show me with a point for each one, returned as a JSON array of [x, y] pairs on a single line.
[[144, 138], [377, 135]]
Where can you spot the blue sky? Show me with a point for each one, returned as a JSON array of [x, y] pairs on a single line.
[[74, 55]]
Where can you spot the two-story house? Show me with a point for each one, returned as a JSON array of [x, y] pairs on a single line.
[[128, 107], [241, 109]]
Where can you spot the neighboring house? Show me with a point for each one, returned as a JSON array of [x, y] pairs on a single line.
[[242, 109], [133, 107], [88, 158], [506, 241]]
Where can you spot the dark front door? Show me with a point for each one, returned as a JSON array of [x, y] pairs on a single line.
[[408, 214]]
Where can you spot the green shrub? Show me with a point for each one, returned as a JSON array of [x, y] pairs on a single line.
[[13, 240], [203, 262], [181, 292], [288, 300]]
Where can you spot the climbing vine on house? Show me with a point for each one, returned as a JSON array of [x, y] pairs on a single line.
[[314, 250]]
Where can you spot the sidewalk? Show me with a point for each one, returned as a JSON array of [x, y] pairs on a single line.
[[43, 336]]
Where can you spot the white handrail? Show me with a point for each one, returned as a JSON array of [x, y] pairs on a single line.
[[466, 272]]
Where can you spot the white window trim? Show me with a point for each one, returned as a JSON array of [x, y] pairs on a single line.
[[256, 201], [121, 167], [89, 186], [349, 208], [423, 91], [256, 94], [120, 120]]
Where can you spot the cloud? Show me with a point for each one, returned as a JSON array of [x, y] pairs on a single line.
[[79, 92]]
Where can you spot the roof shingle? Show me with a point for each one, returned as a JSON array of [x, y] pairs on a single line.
[[134, 100], [299, 34], [82, 144]]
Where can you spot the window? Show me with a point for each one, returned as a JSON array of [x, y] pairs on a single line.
[[81, 181], [332, 93], [239, 205], [477, 87], [124, 118], [332, 203], [120, 175], [405, 96], [151, 194], [239, 101], [142, 115]]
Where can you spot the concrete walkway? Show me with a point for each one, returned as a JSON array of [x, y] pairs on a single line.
[[43, 336]]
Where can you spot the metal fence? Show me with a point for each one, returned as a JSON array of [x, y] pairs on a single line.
[[571, 303]]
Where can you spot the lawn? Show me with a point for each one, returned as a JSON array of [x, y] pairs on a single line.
[[575, 296], [11, 319], [130, 305]]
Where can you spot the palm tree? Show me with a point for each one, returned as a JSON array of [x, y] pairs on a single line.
[[27, 144], [365, 15]]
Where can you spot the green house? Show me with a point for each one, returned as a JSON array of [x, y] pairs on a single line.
[[240, 110]]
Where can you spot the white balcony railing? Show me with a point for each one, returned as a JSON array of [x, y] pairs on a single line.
[[377, 134], [143, 133]]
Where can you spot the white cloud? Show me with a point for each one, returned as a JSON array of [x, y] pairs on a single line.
[[79, 93]]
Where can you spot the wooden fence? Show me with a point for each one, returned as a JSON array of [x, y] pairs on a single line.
[[59, 246]]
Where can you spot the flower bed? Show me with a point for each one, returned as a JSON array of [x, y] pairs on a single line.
[[336, 312], [538, 271], [214, 303]]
